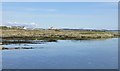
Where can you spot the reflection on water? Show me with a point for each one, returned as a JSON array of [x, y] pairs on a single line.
[[19, 48], [23, 44], [63, 54], [7, 42], [26, 44]]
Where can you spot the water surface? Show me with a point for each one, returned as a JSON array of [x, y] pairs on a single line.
[[64, 54]]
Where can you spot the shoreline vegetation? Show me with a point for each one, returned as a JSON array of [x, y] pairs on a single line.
[[52, 35]]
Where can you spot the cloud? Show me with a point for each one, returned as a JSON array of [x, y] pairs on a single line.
[[41, 9], [52, 10], [27, 25]]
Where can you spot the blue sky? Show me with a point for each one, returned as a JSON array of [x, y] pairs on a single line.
[[82, 15]]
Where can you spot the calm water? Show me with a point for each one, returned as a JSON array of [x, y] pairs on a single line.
[[64, 54]]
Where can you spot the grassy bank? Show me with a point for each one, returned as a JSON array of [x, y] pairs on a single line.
[[54, 34]]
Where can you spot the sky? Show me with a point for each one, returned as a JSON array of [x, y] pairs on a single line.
[[74, 15]]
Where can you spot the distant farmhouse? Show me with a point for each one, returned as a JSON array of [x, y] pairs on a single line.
[[21, 27], [13, 27], [18, 27], [52, 28]]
